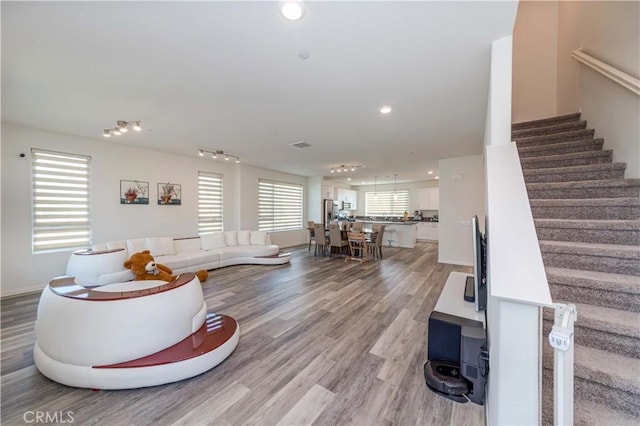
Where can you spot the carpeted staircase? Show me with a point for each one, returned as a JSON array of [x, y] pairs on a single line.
[[587, 217]]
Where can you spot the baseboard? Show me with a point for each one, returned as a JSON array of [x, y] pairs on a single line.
[[455, 262]]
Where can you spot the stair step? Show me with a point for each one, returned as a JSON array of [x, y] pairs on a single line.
[[583, 280], [567, 160], [593, 413], [624, 208], [549, 130], [625, 232], [601, 188], [572, 135], [576, 173], [543, 122], [603, 328], [613, 258], [603, 377], [561, 148]]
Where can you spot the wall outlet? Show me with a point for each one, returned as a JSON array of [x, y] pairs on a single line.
[[465, 223]]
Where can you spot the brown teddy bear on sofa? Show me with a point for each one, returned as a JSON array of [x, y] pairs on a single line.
[[144, 267]]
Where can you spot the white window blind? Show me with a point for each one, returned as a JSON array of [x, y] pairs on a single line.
[[383, 203], [61, 200], [209, 203], [279, 206]]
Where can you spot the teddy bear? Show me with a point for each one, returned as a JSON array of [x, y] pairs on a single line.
[[144, 267]]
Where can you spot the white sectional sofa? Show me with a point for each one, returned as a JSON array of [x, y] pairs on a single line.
[[209, 251]]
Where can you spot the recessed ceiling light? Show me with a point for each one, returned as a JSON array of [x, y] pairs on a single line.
[[437, 177], [385, 109], [292, 10], [430, 172], [348, 178]]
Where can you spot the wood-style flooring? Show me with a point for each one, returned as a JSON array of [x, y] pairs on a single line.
[[323, 342]]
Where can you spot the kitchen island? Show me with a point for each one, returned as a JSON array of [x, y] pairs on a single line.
[[396, 233]]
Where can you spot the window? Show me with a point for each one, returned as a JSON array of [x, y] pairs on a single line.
[[209, 203], [382, 203], [60, 200], [279, 206]]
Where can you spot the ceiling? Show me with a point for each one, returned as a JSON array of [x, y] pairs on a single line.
[[228, 75]]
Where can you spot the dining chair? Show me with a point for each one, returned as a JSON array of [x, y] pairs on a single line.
[[357, 226], [312, 238], [376, 246], [320, 237], [335, 239], [357, 247]]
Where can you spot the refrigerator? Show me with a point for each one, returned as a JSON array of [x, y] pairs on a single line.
[[328, 211]]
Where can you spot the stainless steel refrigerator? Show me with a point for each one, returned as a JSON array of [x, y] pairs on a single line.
[[328, 211]]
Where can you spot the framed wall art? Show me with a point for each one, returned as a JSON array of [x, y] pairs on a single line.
[[134, 192], [169, 194]]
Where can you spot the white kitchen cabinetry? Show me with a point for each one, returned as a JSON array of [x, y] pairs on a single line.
[[428, 198], [348, 196], [328, 192], [427, 231]]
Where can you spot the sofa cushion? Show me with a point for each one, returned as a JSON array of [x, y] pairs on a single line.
[[176, 261], [248, 251], [244, 238], [213, 241], [160, 246], [258, 238], [196, 258], [136, 245], [231, 237]]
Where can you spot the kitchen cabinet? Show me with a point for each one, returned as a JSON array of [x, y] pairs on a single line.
[[427, 231], [348, 196], [328, 192], [428, 198]]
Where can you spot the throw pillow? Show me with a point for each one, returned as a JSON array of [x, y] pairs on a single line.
[[258, 238], [161, 246], [244, 238], [213, 241], [231, 237]]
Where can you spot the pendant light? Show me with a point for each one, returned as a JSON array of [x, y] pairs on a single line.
[[375, 188], [395, 187]]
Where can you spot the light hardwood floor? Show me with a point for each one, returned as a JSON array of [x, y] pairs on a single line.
[[322, 342]]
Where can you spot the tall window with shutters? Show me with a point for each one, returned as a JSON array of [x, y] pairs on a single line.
[[387, 203], [209, 203], [61, 202], [279, 206]]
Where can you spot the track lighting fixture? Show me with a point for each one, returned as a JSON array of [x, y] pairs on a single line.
[[122, 127], [214, 154], [342, 168]]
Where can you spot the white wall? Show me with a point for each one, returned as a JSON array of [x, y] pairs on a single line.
[[609, 31], [23, 271], [535, 46], [462, 194]]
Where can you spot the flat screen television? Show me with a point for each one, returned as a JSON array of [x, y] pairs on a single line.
[[476, 285]]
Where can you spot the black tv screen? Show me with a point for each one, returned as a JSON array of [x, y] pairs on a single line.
[[479, 265]]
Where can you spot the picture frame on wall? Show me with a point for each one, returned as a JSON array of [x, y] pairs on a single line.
[[134, 192], [169, 194]]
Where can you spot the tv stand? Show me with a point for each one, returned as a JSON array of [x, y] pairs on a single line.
[[456, 366]]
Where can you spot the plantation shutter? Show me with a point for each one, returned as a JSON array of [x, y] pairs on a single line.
[[279, 206], [60, 200], [382, 203], [209, 203]]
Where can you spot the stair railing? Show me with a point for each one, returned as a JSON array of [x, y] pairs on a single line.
[[561, 339], [625, 80]]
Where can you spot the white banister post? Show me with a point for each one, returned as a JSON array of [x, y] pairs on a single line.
[[561, 339]]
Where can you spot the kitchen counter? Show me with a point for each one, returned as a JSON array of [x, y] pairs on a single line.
[[396, 233]]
